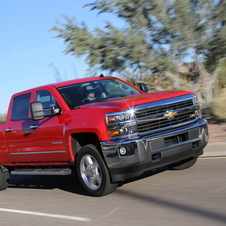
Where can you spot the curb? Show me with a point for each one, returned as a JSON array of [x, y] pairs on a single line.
[[214, 150]]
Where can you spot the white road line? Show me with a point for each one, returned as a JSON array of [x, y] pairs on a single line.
[[45, 215]]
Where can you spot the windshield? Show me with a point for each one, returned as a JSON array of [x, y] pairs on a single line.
[[78, 94]]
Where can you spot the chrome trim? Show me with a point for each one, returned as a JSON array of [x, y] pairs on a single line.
[[135, 135], [180, 112], [164, 105], [9, 130], [162, 115], [164, 102], [60, 142], [38, 152], [170, 127], [38, 171], [153, 136], [33, 127], [144, 148]]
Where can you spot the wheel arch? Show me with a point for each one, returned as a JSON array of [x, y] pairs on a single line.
[[78, 140]]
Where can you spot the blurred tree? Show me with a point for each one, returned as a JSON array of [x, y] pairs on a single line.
[[218, 105], [156, 38], [220, 82]]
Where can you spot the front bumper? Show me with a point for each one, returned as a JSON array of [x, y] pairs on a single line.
[[154, 151]]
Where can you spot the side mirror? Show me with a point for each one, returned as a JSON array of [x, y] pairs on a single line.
[[55, 110], [37, 111], [143, 87]]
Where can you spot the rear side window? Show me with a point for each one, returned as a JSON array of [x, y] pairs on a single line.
[[20, 109]]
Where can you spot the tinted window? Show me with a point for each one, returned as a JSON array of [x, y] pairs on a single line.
[[95, 91], [21, 107]]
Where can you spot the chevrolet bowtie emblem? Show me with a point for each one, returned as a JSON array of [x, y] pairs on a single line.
[[170, 114]]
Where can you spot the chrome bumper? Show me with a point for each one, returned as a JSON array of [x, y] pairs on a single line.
[[154, 151]]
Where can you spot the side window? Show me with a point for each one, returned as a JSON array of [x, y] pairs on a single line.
[[47, 99], [20, 110]]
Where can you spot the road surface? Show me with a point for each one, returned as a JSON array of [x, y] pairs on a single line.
[[195, 196]]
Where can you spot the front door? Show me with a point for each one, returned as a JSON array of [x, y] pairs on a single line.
[[48, 134]]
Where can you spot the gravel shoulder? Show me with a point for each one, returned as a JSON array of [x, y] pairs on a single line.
[[217, 131]]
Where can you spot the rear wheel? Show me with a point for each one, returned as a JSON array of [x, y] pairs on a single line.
[[93, 173], [183, 164], [4, 176]]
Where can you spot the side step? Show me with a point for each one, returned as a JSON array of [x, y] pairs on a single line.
[[40, 171]]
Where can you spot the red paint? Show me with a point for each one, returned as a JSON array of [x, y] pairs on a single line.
[[35, 146]]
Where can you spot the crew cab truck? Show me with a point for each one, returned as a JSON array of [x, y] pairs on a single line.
[[118, 133]]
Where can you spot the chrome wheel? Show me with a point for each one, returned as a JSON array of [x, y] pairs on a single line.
[[90, 172], [93, 173]]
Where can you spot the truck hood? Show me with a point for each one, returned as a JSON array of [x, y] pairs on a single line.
[[122, 103]]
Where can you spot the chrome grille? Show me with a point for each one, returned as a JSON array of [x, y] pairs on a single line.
[[162, 109], [151, 119]]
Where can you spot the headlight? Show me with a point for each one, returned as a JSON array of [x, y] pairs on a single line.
[[121, 124], [120, 117], [195, 101]]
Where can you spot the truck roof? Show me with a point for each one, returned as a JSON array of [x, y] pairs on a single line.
[[60, 84], [69, 82]]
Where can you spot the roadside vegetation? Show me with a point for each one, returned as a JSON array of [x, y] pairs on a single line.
[[218, 106], [2, 117], [167, 44]]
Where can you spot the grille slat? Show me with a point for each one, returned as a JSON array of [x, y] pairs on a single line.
[[184, 115], [164, 108]]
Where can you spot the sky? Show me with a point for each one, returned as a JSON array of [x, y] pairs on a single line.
[[28, 47]]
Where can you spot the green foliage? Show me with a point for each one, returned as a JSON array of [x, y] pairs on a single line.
[[152, 27], [113, 49], [156, 38]]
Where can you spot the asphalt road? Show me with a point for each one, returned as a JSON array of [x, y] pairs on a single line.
[[196, 196]]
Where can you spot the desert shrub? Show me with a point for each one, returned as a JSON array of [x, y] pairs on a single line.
[[2, 117], [218, 106]]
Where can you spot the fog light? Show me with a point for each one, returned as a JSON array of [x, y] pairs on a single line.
[[122, 151]]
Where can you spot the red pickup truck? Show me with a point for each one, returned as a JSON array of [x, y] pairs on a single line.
[[102, 128]]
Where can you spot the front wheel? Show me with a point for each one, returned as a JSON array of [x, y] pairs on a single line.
[[183, 164], [93, 173]]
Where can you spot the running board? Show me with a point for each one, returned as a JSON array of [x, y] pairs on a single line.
[[38, 171]]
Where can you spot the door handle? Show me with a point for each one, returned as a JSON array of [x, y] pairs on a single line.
[[9, 130], [33, 127]]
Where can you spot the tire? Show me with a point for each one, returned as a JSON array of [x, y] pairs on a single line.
[[93, 173], [4, 176], [183, 164]]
